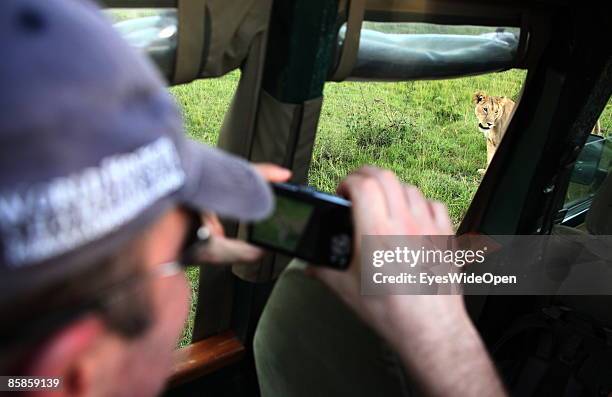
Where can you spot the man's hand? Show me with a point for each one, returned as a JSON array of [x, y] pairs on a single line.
[[223, 250], [383, 206], [432, 334]]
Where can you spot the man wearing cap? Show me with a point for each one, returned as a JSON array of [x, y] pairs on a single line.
[[102, 198]]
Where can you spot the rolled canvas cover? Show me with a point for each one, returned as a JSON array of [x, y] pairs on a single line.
[[395, 57]]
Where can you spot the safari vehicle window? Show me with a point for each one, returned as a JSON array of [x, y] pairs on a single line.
[[426, 131]]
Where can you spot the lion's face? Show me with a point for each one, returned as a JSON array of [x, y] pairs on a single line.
[[488, 110]]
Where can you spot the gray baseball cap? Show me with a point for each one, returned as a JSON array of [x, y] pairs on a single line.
[[92, 147]]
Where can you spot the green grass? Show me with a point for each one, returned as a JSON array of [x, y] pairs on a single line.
[[122, 14], [425, 131], [192, 277]]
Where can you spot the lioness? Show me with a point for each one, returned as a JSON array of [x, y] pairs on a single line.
[[493, 113]]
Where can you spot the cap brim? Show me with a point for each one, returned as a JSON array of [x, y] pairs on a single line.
[[224, 184]]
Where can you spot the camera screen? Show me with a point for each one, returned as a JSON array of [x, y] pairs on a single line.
[[286, 226]]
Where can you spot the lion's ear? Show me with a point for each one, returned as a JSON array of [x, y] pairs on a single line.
[[478, 97], [499, 99]]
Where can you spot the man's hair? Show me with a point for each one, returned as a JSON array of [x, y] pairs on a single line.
[[113, 288]]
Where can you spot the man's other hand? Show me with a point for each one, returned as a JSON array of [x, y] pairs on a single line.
[[224, 250]]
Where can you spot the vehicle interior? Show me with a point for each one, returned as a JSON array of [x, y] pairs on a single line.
[[549, 175]]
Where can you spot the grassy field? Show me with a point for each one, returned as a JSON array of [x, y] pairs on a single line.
[[424, 131]]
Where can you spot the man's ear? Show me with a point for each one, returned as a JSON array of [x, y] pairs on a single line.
[[65, 354], [478, 97]]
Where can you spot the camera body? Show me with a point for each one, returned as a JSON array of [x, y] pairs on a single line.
[[314, 226]]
